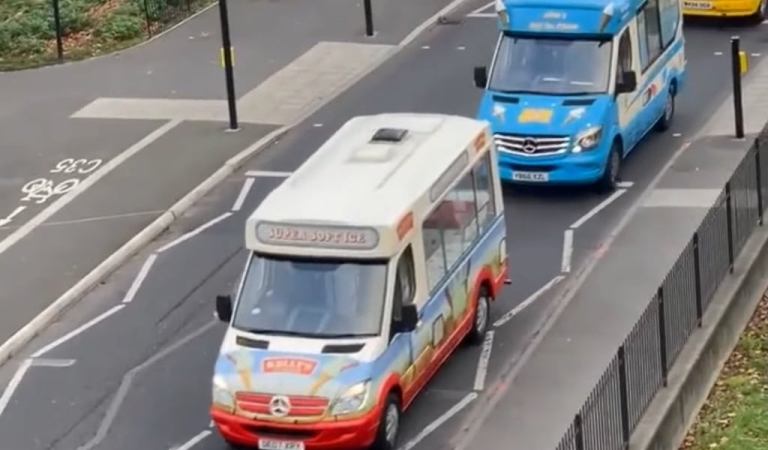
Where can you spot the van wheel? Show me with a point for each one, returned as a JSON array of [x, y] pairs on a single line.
[[389, 425], [476, 335], [665, 121], [762, 12], [610, 179]]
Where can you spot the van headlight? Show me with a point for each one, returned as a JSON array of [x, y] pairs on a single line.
[[352, 400], [222, 396], [588, 139]]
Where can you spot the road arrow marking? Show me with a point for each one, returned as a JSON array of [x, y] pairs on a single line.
[[9, 219]]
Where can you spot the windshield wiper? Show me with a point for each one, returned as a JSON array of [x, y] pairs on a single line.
[[281, 332], [520, 92]]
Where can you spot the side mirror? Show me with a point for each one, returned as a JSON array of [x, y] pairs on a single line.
[[410, 318], [224, 307], [628, 83], [481, 76]]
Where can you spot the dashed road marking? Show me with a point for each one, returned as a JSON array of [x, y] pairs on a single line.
[[482, 365], [247, 185], [140, 278], [565, 265], [267, 173]]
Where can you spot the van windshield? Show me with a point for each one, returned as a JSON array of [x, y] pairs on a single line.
[[551, 66], [312, 297]]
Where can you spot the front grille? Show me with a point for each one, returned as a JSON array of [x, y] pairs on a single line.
[[531, 145], [300, 405]]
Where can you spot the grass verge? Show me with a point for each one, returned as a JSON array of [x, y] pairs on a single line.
[[735, 415], [89, 27]]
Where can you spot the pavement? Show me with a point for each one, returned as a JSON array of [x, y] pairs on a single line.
[[129, 367], [94, 151]]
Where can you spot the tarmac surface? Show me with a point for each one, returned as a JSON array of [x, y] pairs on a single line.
[[140, 377]]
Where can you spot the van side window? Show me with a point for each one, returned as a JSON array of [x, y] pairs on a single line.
[[649, 31], [405, 283], [669, 10], [484, 194], [450, 229]]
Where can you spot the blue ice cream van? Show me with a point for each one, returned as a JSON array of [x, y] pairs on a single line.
[[574, 85]]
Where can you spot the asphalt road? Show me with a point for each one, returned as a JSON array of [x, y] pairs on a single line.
[[140, 168], [141, 377]]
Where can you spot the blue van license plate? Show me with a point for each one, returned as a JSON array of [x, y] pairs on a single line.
[[530, 176]]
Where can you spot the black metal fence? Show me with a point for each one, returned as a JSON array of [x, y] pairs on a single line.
[[640, 366]]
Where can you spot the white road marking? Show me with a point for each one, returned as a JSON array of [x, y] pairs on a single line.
[[9, 218], [531, 298], [194, 441], [194, 232], [267, 173], [482, 8], [482, 365], [247, 185], [14, 384], [77, 331], [461, 47], [69, 165], [140, 278], [483, 15], [565, 265], [718, 53], [63, 201], [125, 385], [317, 125], [676, 134], [618, 193], [425, 47], [756, 54], [625, 184], [455, 409], [50, 362]]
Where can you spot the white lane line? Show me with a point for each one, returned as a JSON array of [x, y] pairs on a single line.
[[482, 365], [247, 185], [102, 171], [455, 409], [77, 331], [482, 8], [140, 278], [14, 384], [46, 362], [102, 218], [483, 15], [625, 184], [267, 173], [194, 441], [125, 385], [565, 265], [194, 232], [531, 298], [618, 193]]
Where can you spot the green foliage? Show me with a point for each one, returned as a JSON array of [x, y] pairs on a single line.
[[120, 27]]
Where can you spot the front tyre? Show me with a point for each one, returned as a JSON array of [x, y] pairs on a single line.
[[476, 335], [610, 179], [665, 121], [389, 425]]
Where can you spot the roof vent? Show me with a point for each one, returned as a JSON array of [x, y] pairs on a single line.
[[389, 135]]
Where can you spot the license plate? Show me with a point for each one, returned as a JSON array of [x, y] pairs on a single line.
[[273, 444], [697, 5], [530, 176]]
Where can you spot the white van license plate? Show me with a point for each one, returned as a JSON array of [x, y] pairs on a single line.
[[273, 444], [530, 176], [697, 5]]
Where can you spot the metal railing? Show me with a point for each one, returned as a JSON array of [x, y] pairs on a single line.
[[641, 364]]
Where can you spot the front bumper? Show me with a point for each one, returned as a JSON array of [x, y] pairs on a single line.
[[579, 168], [356, 433], [722, 8]]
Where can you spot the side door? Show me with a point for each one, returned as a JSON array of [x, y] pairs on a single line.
[[628, 105], [420, 338]]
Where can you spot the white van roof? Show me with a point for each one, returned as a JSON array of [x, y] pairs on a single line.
[[366, 179]]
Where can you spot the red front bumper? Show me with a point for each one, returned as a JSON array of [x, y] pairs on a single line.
[[343, 435]]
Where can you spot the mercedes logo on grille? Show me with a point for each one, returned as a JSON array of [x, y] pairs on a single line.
[[279, 406], [529, 145]]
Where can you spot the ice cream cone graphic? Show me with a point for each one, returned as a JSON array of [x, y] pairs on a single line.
[[243, 367], [330, 371]]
